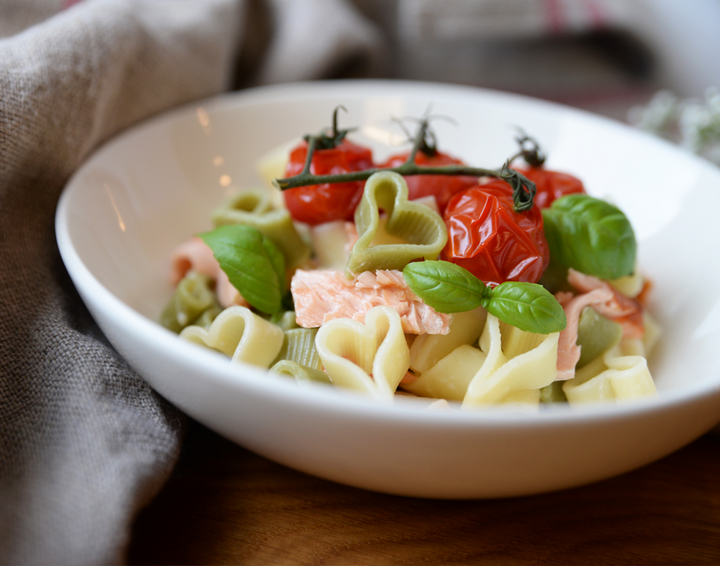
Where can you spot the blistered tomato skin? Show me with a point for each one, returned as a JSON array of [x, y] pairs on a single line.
[[442, 187], [492, 241], [551, 185], [315, 204]]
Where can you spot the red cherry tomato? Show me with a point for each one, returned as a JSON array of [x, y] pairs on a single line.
[[551, 185], [316, 204], [442, 187], [492, 241]]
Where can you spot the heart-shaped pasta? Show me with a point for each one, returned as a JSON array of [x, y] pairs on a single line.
[[370, 357], [516, 362], [428, 349], [239, 333], [509, 367], [422, 228], [611, 377], [253, 207]]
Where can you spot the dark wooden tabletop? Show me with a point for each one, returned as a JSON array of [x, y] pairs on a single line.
[[226, 505]]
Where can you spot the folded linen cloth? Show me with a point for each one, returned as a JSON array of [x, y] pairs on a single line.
[[84, 441]]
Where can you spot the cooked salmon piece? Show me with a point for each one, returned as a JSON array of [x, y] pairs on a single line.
[[191, 254], [568, 350], [324, 295], [622, 309], [195, 255], [607, 301]]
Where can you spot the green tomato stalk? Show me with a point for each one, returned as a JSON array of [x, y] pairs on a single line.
[[523, 188]]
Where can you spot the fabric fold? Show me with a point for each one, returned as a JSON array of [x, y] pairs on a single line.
[[84, 441]]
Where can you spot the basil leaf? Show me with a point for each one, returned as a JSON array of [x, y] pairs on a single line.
[[254, 265], [528, 306], [444, 286], [591, 236], [449, 288]]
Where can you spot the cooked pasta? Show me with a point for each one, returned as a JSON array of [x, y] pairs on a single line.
[[240, 334], [253, 207], [192, 299], [300, 373], [526, 365], [611, 377], [509, 366], [419, 226], [428, 349], [450, 377], [353, 351], [299, 347], [332, 242]]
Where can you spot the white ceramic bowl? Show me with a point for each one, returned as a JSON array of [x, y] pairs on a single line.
[[156, 184]]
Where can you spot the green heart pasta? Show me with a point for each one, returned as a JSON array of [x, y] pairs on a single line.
[[421, 227], [253, 207]]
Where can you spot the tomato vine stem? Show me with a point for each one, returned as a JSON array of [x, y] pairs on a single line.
[[523, 188]]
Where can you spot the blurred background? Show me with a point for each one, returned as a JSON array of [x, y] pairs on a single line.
[[601, 55]]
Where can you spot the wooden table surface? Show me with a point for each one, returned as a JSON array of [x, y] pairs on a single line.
[[226, 505]]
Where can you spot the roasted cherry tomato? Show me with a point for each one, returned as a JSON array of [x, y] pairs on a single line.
[[316, 204], [551, 185], [492, 241], [442, 187]]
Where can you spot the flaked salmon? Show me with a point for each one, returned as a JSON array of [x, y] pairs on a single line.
[[620, 308], [324, 295], [568, 350], [607, 301]]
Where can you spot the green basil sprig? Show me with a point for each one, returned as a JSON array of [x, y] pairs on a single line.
[[254, 265], [591, 236], [449, 288], [445, 286], [528, 306]]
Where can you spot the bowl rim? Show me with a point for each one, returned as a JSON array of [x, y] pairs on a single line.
[[319, 397]]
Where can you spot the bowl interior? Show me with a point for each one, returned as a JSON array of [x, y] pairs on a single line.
[[155, 186]]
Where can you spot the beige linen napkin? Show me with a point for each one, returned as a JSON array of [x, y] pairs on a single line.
[[84, 442]]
